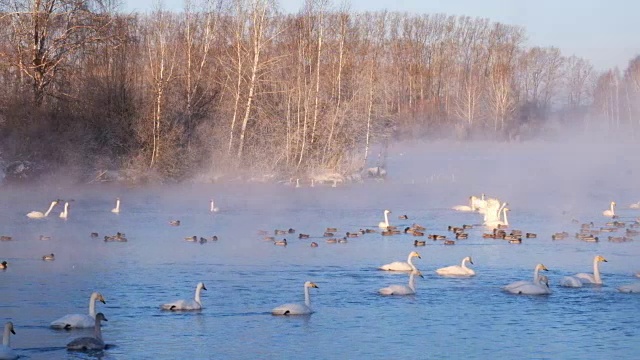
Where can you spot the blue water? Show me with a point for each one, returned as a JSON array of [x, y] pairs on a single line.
[[246, 276]]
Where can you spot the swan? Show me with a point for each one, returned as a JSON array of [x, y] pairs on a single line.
[[297, 308], [65, 213], [499, 222], [629, 288], [6, 352], [212, 207], [611, 211], [635, 205], [94, 342], [493, 210], [39, 215], [385, 224], [580, 279], [116, 210], [402, 289], [536, 277], [80, 320], [401, 265], [466, 208], [539, 287], [194, 304], [458, 270]]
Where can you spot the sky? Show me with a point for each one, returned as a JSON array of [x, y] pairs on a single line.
[[604, 32]]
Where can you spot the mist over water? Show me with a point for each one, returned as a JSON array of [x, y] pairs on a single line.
[[547, 185]]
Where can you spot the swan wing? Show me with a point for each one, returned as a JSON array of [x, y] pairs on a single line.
[[462, 208], [74, 321], [455, 270], [292, 309], [530, 289], [35, 215], [182, 305], [586, 278], [396, 290], [570, 281], [397, 266], [7, 353], [516, 284], [86, 343]]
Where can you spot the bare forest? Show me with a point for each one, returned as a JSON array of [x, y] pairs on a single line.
[[239, 87]]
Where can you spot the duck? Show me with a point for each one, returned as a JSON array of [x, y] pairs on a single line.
[[559, 235], [449, 242], [5, 238], [72, 321], [462, 236], [458, 270], [94, 235], [6, 352], [328, 234], [194, 304], [332, 241], [342, 240], [314, 244], [515, 241], [4, 265], [418, 227], [94, 342], [44, 238], [331, 229], [403, 217], [279, 232], [414, 232], [352, 235], [401, 265], [437, 237], [282, 242], [303, 236], [297, 308], [49, 257], [203, 240], [174, 222], [419, 243], [531, 235], [214, 238], [291, 231]]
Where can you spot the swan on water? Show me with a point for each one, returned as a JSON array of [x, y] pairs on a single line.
[[409, 289], [39, 215], [297, 308], [580, 279], [212, 207], [458, 270], [385, 224], [499, 222], [493, 210], [536, 280], [194, 304], [402, 265], [630, 288], [611, 211], [466, 208], [6, 352], [80, 320], [65, 213], [116, 210], [635, 205], [94, 342]]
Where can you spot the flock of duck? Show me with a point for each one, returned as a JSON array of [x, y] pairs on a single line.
[[494, 217]]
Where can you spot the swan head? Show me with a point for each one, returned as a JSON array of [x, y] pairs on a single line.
[[600, 258], [201, 286], [544, 280], [101, 317], [98, 297], [541, 267], [387, 211], [468, 258], [417, 272], [309, 284], [9, 325], [415, 254]]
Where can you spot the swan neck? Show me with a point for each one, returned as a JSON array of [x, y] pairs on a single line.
[[92, 306], [410, 262], [412, 282], [307, 298], [50, 208], [464, 263], [535, 275], [504, 213], [596, 272], [97, 330], [117, 205], [197, 298], [5, 336], [386, 218]]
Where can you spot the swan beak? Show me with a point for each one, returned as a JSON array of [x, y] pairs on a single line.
[[102, 301], [605, 260], [203, 287], [13, 331], [313, 285]]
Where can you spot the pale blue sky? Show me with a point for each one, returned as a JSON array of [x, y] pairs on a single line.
[[605, 32]]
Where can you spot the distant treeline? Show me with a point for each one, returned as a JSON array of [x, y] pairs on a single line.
[[235, 85]]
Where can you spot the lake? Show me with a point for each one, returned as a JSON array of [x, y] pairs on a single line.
[[547, 186]]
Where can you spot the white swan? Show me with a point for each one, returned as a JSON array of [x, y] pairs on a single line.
[[499, 222], [402, 289], [297, 308], [580, 279], [212, 207], [116, 210], [630, 288], [611, 211], [493, 210], [39, 215], [458, 270], [635, 205], [536, 279], [6, 352], [80, 320], [94, 342], [401, 265], [65, 213], [194, 304], [385, 224], [539, 287], [466, 208]]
